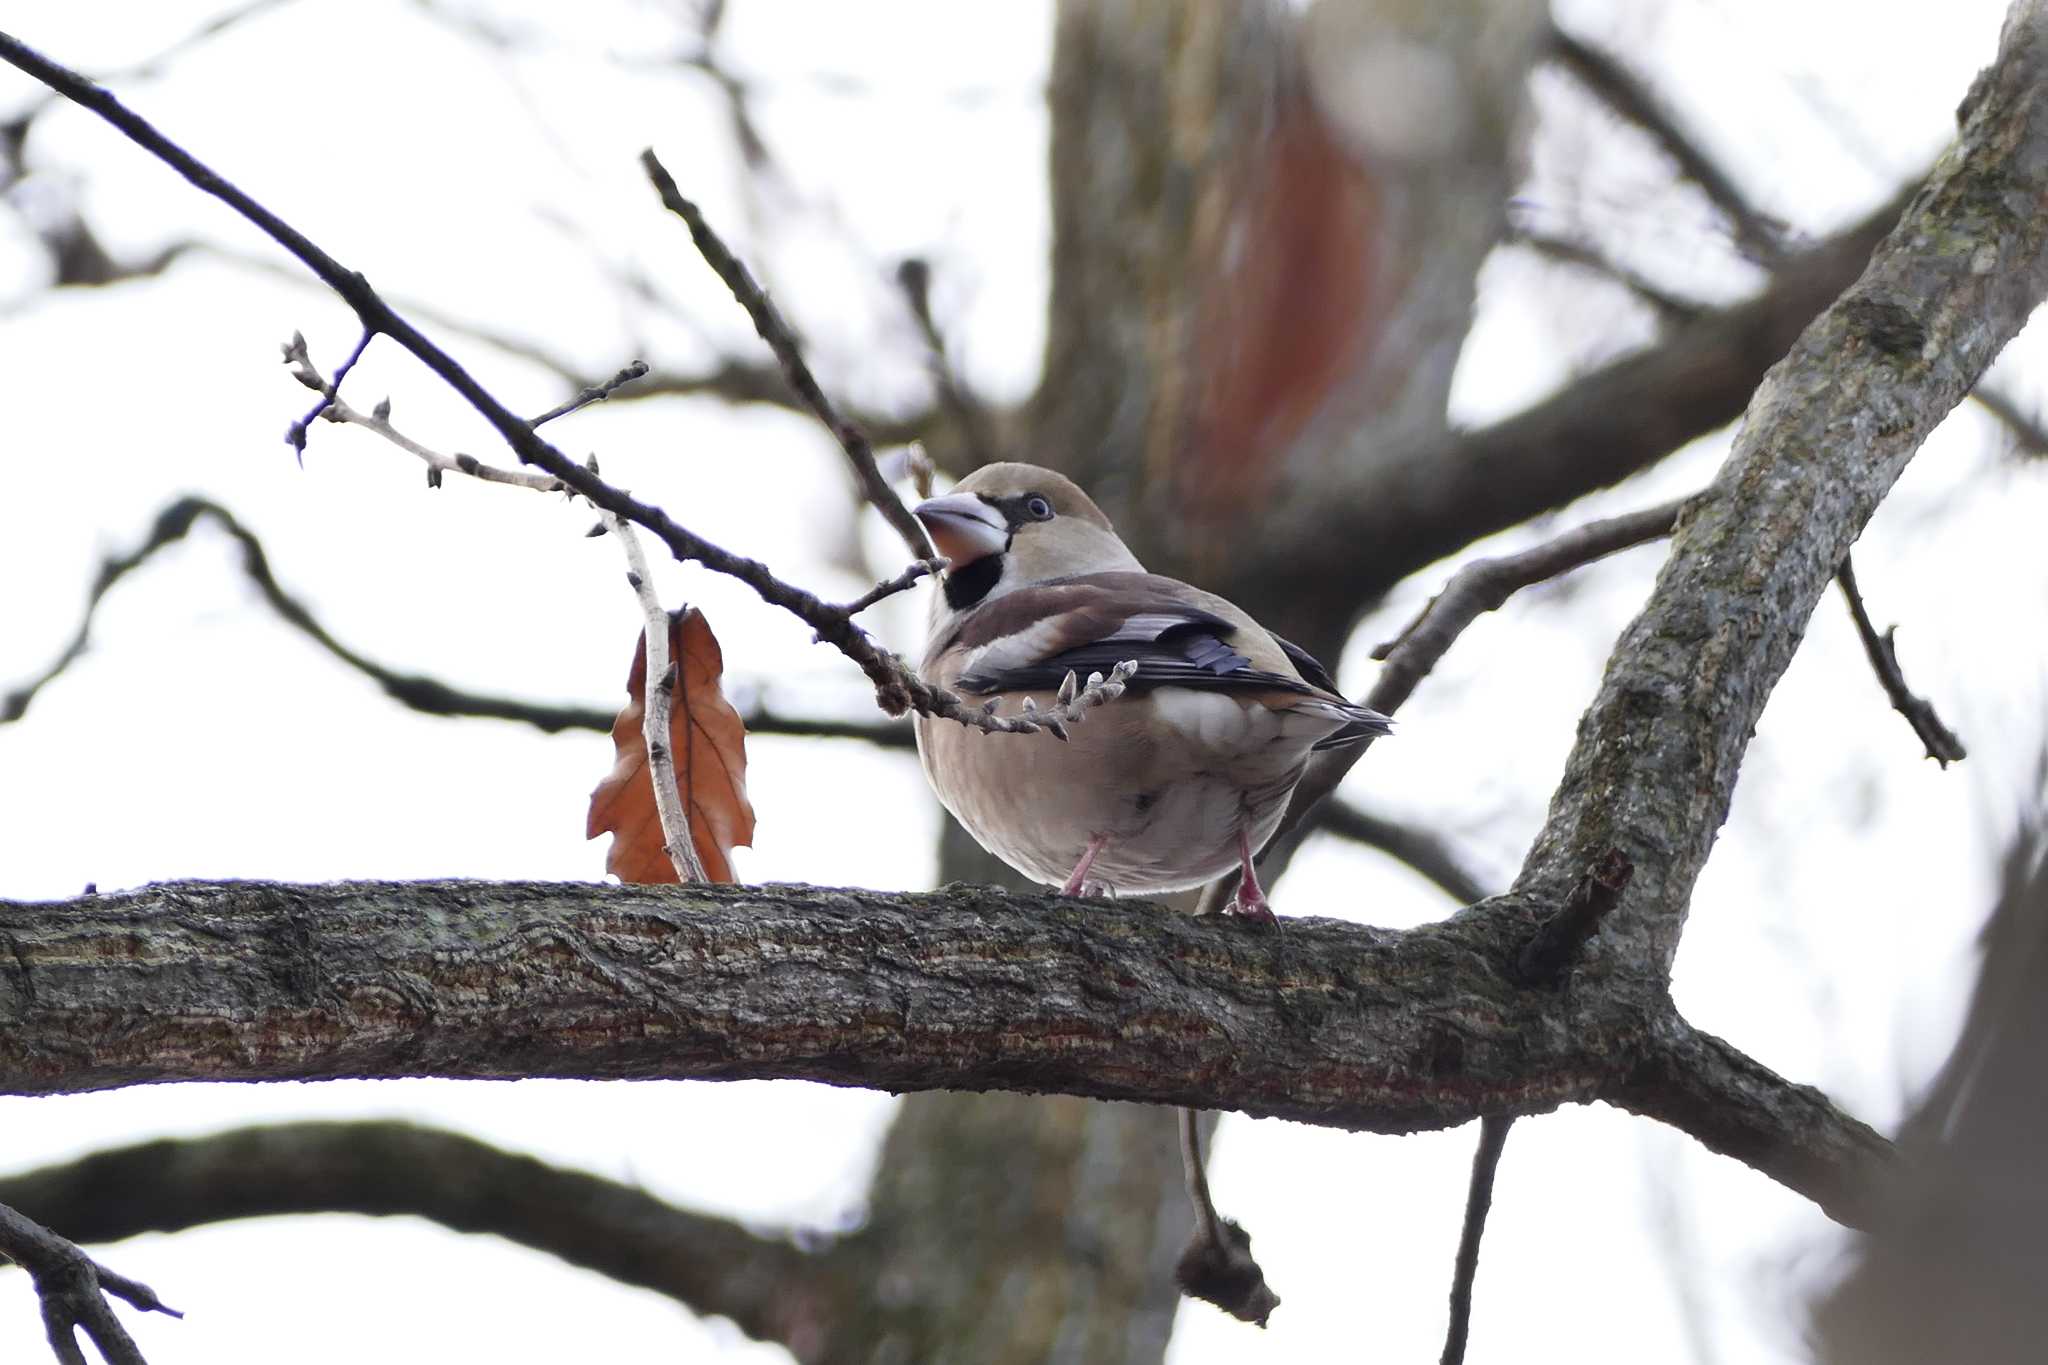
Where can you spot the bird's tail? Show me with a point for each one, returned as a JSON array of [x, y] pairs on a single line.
[[1357, 725]]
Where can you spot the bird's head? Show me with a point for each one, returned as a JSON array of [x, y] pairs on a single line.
[[1007, 526]]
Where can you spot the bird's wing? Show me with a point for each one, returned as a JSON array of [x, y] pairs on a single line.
[[1030, 639]]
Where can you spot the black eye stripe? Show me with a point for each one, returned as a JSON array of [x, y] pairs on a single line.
[[1023, 508]]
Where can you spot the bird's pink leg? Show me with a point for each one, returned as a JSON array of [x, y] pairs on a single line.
[[1080, 877], [1250, 901]]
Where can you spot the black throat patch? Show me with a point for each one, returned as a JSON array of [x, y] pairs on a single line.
[[967, 586]]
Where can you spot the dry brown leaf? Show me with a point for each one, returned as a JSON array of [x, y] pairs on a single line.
[[710, 746]]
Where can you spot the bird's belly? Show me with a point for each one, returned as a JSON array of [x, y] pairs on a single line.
[[1171, 813]]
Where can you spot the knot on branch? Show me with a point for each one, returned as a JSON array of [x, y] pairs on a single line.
[[892, 694], [1221, 1271], [1555, 945]]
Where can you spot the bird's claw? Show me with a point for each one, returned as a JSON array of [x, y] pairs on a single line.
[[1253, 908]]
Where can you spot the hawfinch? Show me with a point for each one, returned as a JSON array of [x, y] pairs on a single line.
[[1164, 789]]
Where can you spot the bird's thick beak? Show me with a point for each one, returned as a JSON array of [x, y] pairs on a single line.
[[963, 527]]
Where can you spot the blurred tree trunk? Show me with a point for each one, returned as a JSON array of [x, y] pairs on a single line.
[[1956, 1272], [1263, 266]]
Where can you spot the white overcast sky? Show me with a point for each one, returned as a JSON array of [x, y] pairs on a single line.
[[1831, 936]]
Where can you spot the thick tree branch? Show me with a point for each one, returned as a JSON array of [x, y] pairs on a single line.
[[966, 989], [1737, 1107], [1828, 432], [1416, 504], [769, 1287]]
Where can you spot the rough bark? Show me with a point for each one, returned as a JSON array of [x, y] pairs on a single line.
[[1077, 1216], [967, 989]]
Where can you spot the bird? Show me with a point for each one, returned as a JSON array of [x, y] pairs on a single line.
[[1183, 777]]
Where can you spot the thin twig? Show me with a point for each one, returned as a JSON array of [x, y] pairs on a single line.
[[1757, 234], [889, 587], [659, 709], [1478, 587], [330, 392], [379, 421], [1670, 308], [73, 1289], [914, 276], [1493, 1139], [897, 687], [1759, 237], [1941, 743], [2026, 429], [1195, 1170], [774, 330], [1485, 584], [594, 393], [1217, 1266], [429, 696]]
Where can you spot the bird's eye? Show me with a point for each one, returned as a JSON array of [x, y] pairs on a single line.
[[1037, 508]]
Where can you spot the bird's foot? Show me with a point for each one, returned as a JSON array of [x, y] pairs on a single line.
[[1250, 903], [1077, 885]]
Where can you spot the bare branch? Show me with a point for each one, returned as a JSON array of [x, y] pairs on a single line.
[[772, 1289], [1413, 505], [1941, 743], [2026, 428], [967, 411], [1484, 585], [73, 1289], [1669, 307], [1760, 238], [594, 393], [1423, 850], [883, 734], [429, 695], [969, 988], [730, 380], [658, 708], [1217, 1267], [1477, 588], [330, 391], [335, 410], [897, 687], [889, 587], [1740, 1108], [1826, 435], [774, 330], [1493, 1140]]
